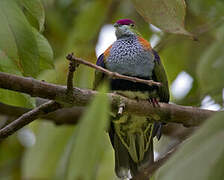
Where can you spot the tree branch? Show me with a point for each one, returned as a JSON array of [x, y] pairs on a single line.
[[112, 75], [40, 110], [188, 116], [28, 118], [72, 115]]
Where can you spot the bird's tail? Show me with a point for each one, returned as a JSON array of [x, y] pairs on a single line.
[[122, 158], [125, 166]]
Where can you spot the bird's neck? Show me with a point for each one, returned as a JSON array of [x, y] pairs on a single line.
[[124, 36]]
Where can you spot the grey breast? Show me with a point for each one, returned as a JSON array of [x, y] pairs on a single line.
[[128, 57]]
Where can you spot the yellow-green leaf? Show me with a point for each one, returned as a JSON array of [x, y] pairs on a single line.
[[36, 9], [17, 40], [45, 51]]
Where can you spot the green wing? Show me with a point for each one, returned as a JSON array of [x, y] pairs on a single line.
[[159, 75]]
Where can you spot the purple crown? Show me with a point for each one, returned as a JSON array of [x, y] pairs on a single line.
[[125, 22]]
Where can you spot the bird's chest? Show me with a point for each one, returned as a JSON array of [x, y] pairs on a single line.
[[127, 56]]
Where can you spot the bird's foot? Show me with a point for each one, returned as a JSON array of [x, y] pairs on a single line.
[[137, 98], [154, 102]]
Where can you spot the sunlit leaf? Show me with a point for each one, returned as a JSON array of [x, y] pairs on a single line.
[[84, 157], [17, 40], [11, 97], [167, 15], [199, 157], [45, 51], [16, 99], [36, 9]]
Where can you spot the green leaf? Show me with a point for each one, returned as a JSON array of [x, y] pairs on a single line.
[[45, 51], [10, 97], [167, 15], [7, 65], [87, 147], [36, 9], [17, 40], [210, 68], [16, 99], [199, 157]]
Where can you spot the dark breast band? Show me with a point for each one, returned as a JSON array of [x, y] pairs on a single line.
[[125, 85]]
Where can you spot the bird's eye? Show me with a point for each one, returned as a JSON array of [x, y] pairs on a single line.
[[132, 25]]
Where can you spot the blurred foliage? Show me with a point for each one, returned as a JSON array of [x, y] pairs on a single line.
[[88, 135], [199, 157], [35, 37]]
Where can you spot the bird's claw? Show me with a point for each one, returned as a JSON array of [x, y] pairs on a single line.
[[154, 102]]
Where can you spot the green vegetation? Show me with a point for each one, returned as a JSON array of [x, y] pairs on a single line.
[[35, 37]]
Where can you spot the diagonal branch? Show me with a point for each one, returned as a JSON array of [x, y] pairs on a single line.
[[147, 172], [28, 118], [59, 117], [111, 74]]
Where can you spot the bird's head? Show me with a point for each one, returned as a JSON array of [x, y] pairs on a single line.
[[124, 27]]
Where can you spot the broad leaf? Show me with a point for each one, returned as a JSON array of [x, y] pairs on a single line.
[[16, 99], [36, 9], [17, 40], [11, 97], [87, 147], [199, 157], [167, 15], [45, 51]]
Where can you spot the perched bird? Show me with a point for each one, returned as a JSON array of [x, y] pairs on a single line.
[[132, 136]]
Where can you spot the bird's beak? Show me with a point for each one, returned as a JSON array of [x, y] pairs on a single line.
[[115, 25]]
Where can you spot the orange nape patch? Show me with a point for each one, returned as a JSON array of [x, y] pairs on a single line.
[[107, 52], [145, 44]]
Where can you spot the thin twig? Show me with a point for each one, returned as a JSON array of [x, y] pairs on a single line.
[[112, 75], [72, 68], [28, 118]]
